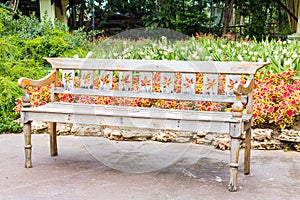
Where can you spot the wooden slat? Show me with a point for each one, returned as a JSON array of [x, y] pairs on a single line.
[[68, 79], [106, 80], [158, 65], [174, 96], [167, 83], [145, 81], [210, 84], [230, 81], [87, 79], [188, 84], [125, 81]]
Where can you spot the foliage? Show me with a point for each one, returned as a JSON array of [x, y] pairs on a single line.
[[24, 43], [276, 99], [187, 17]]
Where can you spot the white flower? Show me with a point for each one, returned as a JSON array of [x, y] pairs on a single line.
[[89, 54], [209, 48], [245, 51], [255, 53], [266, 53], [219, 50], [115, 54], [240, 57], [260, 60], [288, 62], [223, 46], [245, 43], [147, 57], [294, 56], [284, 51], [275, 52], [239, 45]]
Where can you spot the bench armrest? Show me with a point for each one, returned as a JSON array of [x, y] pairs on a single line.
[[240, 89], [25, 82]]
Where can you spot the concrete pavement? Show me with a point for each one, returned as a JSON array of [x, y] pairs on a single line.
[[97, 168]]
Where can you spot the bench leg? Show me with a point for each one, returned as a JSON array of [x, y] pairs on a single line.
[[234, 159], [27, 137], [247, 153], [53, 139]]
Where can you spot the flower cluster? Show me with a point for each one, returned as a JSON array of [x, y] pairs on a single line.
[[276, 99]]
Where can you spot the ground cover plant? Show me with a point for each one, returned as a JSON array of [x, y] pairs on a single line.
[[277, 87]]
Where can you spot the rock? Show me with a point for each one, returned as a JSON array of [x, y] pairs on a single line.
[[182, 139], [164, 136], [267, 145], [137, 135], [222, 143], [297, 146], [89, 130], [64, 128], [116, 135], [289, 135], [201, 134], [262, 134], [39, 127]]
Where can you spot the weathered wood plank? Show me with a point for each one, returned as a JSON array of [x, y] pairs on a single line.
[[106, 80], [136, 112], [230, 81], [154, 123], [167, 83], [188, 83], [210, 84], [24, 82], [87, 79], [158, 65], [68, 79], [125, 81], [145, 82]]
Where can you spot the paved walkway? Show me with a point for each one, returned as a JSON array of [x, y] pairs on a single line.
[[97, 168]]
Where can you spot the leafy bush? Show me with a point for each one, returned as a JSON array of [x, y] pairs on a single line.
[[23, 45], [276, 99]]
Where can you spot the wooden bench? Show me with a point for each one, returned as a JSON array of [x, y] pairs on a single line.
[[195, 81]]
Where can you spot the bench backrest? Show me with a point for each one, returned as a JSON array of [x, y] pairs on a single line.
[[153, 79]]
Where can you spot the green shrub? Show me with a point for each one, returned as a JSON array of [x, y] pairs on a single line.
[[23, 45]]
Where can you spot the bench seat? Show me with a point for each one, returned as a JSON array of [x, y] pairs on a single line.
[[187, 120]]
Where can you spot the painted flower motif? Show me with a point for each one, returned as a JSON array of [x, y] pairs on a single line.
[[210, 83], [105, 79], [188, 82], [231, 84], [68, 77], [87, 78], [146, 82], [125, 80], [167, 81]]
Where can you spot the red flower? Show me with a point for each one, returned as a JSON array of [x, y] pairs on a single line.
[[289, 113]]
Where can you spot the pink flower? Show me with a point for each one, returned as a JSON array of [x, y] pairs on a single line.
[[289, 113]]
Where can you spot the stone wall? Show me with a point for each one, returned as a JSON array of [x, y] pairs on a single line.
[[263, 139]]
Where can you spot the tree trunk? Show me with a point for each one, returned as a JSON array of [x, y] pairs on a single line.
[[227, 16], [14, 5]]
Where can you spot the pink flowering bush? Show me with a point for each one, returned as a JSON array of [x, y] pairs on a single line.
[[276, 99]]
